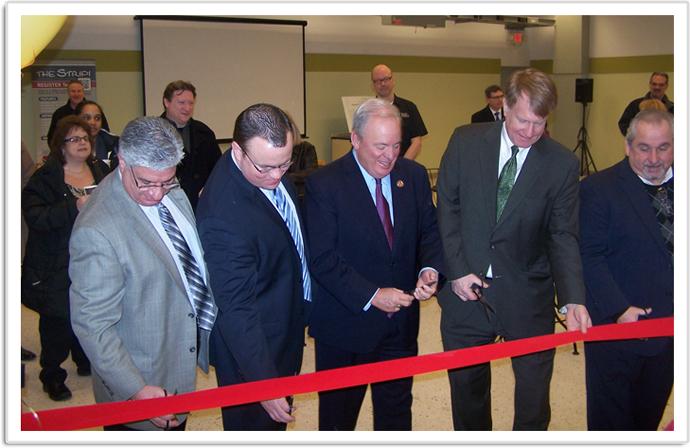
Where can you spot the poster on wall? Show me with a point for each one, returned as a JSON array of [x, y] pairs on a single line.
[[49, 80]]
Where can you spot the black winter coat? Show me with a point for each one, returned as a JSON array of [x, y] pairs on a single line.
[[50, 210]]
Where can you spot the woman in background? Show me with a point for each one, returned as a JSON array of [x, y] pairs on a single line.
[[51, 201], [105, 144]]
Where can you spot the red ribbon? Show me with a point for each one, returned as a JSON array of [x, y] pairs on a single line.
[[83, 417]]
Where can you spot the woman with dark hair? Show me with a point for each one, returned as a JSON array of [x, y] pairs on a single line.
[[51, 201], [104, 144]]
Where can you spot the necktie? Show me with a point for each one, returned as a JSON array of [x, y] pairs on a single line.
[[201, 297], [286, 212], [662, 201], [497, 115], [506, 181], [384, 213]]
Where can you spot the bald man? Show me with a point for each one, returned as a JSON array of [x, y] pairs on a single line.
[[413, 129]]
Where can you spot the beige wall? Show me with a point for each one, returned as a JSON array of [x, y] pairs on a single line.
[[445, 101]]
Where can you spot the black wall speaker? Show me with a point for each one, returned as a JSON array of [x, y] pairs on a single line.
[[584, 90]]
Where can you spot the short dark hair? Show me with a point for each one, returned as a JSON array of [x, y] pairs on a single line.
[[659, 74], [74, 81], [64, 127], [80, 107], [539, 88], [493, 88], [177, 86], [262, 120]]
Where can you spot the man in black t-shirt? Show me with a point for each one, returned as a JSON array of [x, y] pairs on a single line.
[[383, 81]]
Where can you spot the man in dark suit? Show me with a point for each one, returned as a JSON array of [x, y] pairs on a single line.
[[251, 230], [626, 243], [75, 91], [494, 106], [373, 235], [515, 242], [200, 146]]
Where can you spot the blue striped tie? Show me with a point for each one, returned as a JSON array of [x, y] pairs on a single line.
[[205, 315], [285, 209]]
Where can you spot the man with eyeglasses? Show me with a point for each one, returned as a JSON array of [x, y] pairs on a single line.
[[494, 106], [75, 91], [252, 232], [626, 246], [140, 300], [413, 129], [658, 83]]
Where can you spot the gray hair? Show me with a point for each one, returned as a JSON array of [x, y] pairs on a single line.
[[649, 116], [373, 107], [151, 142]]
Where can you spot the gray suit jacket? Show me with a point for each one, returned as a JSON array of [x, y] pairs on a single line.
[[533, 245], [129, 307]]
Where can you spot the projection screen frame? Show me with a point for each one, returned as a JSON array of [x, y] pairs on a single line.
[[181, 18]]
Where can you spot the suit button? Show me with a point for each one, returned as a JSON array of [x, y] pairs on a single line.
[[670, 267], [192, 350], [493, 246], [393, 264], [301, 313]]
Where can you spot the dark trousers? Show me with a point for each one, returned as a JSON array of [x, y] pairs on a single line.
[[121, 427], [470, 387], [626, 391], [57, 341], [249, 417], [392, 400]]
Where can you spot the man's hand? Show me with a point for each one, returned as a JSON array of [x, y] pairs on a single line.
[[391, 300], [577, 318], [462, 287], [422, 291], [633, 314], [165, 421], [279, 410]]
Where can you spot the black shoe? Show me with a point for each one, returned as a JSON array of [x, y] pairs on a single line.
[[57, 391], [27, 355], [84, 371]]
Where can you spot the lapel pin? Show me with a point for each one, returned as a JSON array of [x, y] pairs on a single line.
[[400, 184]]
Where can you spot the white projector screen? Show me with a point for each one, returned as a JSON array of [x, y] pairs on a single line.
[[233, 63]]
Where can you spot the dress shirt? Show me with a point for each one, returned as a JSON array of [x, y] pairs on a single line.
[[188, 231]]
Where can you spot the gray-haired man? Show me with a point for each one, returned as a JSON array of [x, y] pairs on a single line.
[[140, 303]]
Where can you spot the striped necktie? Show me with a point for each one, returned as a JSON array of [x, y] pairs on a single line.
[[506, 182], [205, 315], [286, 212]]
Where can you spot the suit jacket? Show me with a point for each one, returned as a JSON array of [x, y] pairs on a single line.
[[256, 276], [351, 255], [533, 244], [624, 256], [129, 306], [485, 115], [198, 161]]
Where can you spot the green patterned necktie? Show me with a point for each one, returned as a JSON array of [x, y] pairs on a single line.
[[506, 181]]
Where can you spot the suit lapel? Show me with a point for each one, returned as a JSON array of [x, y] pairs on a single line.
[[488, 155], [400, 206], [529, 173], [361, 197], [144, 230], [637, 195]]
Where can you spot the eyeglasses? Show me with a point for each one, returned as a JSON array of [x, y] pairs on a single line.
[[268, 169], [387, 79], [497, 97], [84, 139], [666, 204], [147, 186]]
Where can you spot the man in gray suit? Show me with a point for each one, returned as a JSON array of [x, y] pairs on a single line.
[[508, 217], [139, 301]]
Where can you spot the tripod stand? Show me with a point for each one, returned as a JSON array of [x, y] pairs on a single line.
[[583, 143]]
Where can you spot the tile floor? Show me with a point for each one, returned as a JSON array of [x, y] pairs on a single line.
[[431, 408]]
